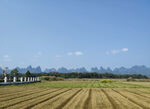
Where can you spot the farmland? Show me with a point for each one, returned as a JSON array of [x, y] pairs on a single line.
[[73, 94]]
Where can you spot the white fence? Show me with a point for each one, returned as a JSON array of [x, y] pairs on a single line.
[[22, 80]]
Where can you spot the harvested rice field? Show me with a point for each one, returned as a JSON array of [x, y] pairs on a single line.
[[24, 97]]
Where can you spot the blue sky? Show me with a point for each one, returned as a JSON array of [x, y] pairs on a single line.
[[74, 33]]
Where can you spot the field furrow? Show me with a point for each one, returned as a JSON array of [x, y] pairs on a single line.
[[143, 91], [122, 102], [138, 93], [78, 101], [38, 99], [59, 101], [44, 99], [76, 94], [75, 100], [9, 91], [138, 101], [101, 100], [87, 104], [67, 100], [19, 95], [144, 99], [15, 93], [11, 103], [113, 103]]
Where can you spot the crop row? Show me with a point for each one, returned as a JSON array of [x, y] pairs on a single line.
[[76, 98]]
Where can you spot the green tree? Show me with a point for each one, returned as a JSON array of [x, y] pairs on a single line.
[[28, 74], [14, 72]]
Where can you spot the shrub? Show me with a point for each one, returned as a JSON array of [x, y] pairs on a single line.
[[51, 78], [106, 81], [46, 78], [130, 79]]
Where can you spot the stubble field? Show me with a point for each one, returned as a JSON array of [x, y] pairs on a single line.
[[76, 95]]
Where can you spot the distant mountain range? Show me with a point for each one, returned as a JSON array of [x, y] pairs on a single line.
[[122, 70]]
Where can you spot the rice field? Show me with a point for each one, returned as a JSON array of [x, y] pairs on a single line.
[[90, 97]]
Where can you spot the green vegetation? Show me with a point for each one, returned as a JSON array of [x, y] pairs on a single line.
[[13, 73], [59, 76], [106, 81], [92, 75], [51, 78], [28, 74], [84, 83]]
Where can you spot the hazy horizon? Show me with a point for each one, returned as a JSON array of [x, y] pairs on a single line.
[[88, 69]]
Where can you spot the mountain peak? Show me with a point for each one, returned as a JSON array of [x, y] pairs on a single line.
[[122, 70]]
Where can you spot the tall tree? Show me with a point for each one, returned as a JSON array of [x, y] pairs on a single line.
[[14, 72], [28, 74]]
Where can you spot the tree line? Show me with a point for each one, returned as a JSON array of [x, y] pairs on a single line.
[[15, 73], [92, 75]]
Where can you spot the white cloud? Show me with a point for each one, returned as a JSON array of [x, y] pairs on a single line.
[[78, 53], [6, 58], [70, 54], [125, 50], [117, 51]]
